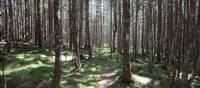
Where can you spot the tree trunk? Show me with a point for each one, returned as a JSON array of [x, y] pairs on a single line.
[[111, 24], [81, 24], [159, 29], [115, 24], [11, 31], [27, 20], [38, 31], [50, 12], [120, 29], [58, 48], [87, 31], [70, 25], [195, 39], [75, 35], [126, 37], [136, 29]]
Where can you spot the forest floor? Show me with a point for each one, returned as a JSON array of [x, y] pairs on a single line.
[[29, 67], [106, 76]]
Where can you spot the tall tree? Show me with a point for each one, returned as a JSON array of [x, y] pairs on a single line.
[[81, 2], [120, 27], [111, 24], [58, 42], [87, 30], [70, 25], [185, 61], [115, 24], [194, 26], [11, 31], [75, 34], [159, 29], [136, 28], [50, 12], [27, 21], [143, 26], [38, 34], [1, 21], [126, 38]]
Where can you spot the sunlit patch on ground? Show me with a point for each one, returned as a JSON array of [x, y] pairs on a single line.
[[141, 79], [87, 78], [43, 56], [106, 77], [34, 66], [27, 68], [66, 58]]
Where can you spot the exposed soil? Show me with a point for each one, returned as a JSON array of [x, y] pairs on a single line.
[[106, 77]]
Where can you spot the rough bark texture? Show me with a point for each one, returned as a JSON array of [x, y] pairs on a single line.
[[81, 23], [87, 30], [115, 25], [126, 76], [58, 48], [159, 28], [38, 34], [50, 20], [11, 32], [75, 34]]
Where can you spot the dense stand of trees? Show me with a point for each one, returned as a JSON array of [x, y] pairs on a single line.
[[167, 31]]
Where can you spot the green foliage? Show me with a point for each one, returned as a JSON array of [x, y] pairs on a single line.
[[87, 78], [28, 66], [117, 82], [33, 67]]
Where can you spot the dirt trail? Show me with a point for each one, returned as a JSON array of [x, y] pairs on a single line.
[[106, 76]]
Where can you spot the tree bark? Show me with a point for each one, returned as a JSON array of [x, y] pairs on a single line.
[[58, 48], [115, 25], [50, 20], [87, 30], [81, 23], [126, 76], [11, 31], [38, 31], [159, 29]]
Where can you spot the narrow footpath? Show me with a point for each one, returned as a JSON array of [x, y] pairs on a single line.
[[106, 76]]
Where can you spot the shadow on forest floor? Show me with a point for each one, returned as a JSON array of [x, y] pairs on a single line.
[[89, 74], [28, 67]]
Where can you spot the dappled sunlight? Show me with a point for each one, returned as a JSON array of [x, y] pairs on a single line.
[[79, 81], [189, 75], [110, 74], [24, 60], [106, 77], [141, 79], [87, 78], [104, 50], [29, 57], [20, 56], [99, 43], [28, 68], [84, 86], [66, 58], [91, 76], [103, 83], [37, 64], [63, 58], [43, 56]]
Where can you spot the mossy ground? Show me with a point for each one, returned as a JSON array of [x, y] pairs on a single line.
[[30, 67]]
